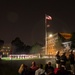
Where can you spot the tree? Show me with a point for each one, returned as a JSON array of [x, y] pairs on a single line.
[[27, 49], [18, 45], [36, 48]]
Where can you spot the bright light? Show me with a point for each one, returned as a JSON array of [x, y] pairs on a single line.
[[50, 35]]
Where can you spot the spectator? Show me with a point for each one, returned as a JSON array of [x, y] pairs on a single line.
[[72, 62], [57, 69], [63, 59], [33, 68], [23, 70], [40, 70], [63, 71], [48, 68], [57, 59]]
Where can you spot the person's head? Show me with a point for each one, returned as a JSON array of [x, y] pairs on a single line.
[[64, 53], [58, 52], [61, 53], [49, 63], [33, 63], [23, 66], [41, 66], [71, 52]]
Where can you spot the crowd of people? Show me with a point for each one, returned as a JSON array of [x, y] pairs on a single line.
[[48, 69], [63, 59]]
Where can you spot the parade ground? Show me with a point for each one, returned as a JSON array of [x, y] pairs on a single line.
[[10, 67]]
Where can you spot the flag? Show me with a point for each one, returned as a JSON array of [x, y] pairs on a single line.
[[48, 17]]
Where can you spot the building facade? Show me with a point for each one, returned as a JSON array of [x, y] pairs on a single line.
[[58, 43]]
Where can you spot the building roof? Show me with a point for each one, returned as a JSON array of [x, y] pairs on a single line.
[[66, 35]]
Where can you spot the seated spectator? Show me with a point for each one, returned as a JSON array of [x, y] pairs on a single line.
[[40, 70], [33, 68], [23, 70], [63, 71], [49, 67], [50, 71], [57, 69]]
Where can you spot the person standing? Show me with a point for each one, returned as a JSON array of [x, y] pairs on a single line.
[[63, 59], [72, 62], [57, 58]]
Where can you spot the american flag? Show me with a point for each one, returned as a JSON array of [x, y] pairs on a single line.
[[48, 17]]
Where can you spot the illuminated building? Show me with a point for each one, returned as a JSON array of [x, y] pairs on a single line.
[[57, 43], [5, 50]]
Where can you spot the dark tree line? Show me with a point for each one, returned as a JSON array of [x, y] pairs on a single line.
[[19, 47]]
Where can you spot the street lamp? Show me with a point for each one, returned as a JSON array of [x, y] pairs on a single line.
[[50, 35]]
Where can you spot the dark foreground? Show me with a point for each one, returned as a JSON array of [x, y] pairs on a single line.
[[11, 67]]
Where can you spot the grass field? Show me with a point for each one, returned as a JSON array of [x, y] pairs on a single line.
[[10, 67]]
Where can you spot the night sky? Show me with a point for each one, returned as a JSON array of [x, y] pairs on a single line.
[[26, 19]]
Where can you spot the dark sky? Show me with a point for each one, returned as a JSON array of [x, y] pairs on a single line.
[[25, 19]]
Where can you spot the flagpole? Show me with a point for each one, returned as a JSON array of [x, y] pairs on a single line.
[[47, 17], [45, 35]]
